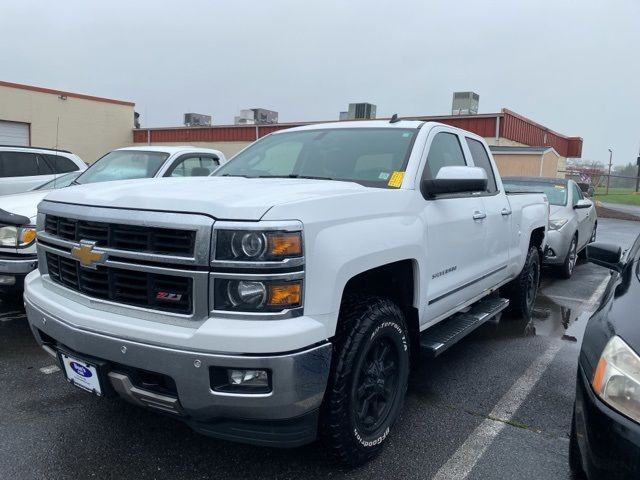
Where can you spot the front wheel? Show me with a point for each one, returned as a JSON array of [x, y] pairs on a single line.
[[522, 290], [566, 269], [370, 372]]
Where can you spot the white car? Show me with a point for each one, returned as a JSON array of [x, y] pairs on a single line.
[[573, 220], [281, 297], [23, 168], [17, 232]]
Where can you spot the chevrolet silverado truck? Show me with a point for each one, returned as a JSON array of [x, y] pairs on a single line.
[[18, 211], [284, 297]]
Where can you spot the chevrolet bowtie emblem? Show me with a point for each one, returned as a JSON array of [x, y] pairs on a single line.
[[86, 255]]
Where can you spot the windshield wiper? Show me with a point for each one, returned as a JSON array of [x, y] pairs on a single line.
[[309, 177], [234, 175]]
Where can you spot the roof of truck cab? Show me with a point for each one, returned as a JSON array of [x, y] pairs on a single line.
[[358, 124]]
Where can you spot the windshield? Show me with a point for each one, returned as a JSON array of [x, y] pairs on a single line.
[[555, 192], [123, 165], [368, 156], [59, 182]]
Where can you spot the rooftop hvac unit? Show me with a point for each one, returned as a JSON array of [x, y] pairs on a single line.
[[196, 120], [465, 103]]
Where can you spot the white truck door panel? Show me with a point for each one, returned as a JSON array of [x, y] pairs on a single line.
[[455, 243]]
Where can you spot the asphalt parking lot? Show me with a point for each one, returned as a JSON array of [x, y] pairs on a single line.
[[497, 405]]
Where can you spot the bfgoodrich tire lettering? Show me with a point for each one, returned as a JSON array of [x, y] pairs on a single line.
[[369, 378]]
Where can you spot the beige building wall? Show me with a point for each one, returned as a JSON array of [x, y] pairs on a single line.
[[88, 128], [503, 142], [529, 165]]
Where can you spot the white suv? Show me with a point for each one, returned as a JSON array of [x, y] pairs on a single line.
[[23, 168]]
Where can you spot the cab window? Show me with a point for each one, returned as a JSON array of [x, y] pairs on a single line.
[[193, 166], [481, 159], [577, 194], [445, 151]]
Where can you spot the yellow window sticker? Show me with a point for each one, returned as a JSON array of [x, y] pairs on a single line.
[[396, 179]]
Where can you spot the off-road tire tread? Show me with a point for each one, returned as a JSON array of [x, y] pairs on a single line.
[[357, 314]]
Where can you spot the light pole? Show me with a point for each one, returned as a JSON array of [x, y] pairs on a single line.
[[609, 176]]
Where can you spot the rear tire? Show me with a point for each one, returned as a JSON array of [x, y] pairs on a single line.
[[368, 382], [566, 269], [522, 290]]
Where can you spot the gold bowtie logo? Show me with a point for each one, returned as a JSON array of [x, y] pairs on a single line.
[[86, 255]]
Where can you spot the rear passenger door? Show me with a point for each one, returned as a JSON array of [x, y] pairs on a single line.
[[495, 255], [455, 241], [22, 171]]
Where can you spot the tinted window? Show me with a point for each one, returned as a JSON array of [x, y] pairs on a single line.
[[61, 164], [194, 167], [18, 164], [368, 156], [445, 151], [481, 159], [124, 165]]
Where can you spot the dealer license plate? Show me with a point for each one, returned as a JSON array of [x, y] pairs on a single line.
[[82, 374]]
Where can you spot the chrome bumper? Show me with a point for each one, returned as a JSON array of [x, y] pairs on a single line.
[[298, 379]]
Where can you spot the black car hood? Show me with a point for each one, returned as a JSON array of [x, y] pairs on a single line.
[[7, 218]]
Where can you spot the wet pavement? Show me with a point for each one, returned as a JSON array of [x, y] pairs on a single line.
[[50, 430]]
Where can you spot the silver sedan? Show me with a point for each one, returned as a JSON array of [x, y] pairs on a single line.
[[573, 221]]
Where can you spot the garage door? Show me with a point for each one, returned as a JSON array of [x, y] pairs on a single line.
[[14, 133]]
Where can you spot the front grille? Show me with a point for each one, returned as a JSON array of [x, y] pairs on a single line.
[[141, 289], [163, 241]]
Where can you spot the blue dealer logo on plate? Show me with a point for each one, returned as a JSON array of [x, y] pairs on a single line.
[[80, 370]]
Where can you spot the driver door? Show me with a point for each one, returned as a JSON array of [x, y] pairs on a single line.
[[454, 238]]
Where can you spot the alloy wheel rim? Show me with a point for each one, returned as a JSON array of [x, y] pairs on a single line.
[[532, 284], [377, 384]]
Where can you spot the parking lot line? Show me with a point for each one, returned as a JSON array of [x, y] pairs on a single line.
[[467, 455], [50, 369]]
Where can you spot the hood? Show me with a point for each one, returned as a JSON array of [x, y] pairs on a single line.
[[224, 198], [25, 204]]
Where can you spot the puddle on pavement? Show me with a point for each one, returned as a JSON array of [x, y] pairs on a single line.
[[549, 319]]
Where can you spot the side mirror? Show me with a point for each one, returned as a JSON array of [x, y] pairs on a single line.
[[455, 180], [606, 255], [584, 203]]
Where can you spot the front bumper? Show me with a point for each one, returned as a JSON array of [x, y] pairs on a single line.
[[609, 443], [13, 270], [558, 243], [286, 416]]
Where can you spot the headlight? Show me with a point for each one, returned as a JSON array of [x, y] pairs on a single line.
[[15, 237], [257, 296], [257, 246], [617, 378], [557, 224]]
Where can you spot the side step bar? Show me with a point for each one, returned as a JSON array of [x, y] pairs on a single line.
[[443, 335]]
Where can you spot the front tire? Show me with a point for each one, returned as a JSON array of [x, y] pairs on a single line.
[[522, 290], [368, 383], [566, 269]]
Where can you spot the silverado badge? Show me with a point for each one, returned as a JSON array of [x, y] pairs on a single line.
[[86, 255]]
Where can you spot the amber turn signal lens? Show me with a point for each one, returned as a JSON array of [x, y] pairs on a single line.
[[27, 235], [598, 376], [285, 244], [288, 294]]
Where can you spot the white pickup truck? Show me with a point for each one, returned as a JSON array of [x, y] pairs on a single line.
[[282, 297]]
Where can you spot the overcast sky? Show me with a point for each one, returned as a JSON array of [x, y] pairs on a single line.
[[573, 66]]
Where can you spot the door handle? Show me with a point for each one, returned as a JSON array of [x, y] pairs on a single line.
[[506, 211], [477, 215]]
